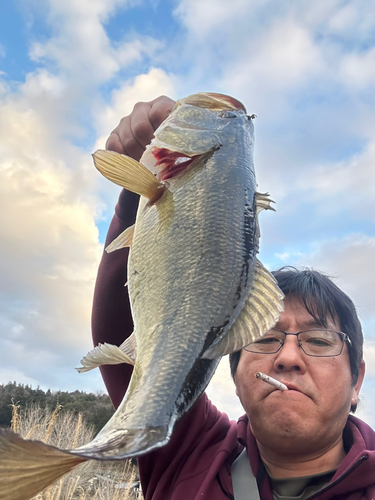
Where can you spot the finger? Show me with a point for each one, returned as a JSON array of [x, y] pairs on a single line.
[[123, 141], [140, 125], [131, 146], [114, 143], [147, 116], [160, 110]]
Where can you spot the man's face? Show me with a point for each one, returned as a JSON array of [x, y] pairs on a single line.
[[313, 412]]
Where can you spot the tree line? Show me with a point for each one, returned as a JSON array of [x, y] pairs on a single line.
[[96, 409]]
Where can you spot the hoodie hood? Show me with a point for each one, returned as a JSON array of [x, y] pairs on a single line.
[[355, 478]]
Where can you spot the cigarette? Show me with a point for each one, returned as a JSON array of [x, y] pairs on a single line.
[[271, 381]]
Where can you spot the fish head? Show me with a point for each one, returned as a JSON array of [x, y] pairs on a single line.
[[194, 128]]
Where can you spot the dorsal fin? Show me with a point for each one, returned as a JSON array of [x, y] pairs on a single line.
[[212, 101]]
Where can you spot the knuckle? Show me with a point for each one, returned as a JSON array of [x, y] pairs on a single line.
[[141, 129], [123, 123], [139, 105], [160, 110], [113, 142], [128, 143]]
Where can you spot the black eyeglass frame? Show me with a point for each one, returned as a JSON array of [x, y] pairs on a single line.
[[344, 338]]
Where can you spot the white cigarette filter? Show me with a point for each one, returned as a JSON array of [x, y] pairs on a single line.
[[271, 381]]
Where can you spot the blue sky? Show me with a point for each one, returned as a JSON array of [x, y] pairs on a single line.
[[70, 70]]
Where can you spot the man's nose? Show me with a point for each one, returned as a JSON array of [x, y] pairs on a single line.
[[290, 356]]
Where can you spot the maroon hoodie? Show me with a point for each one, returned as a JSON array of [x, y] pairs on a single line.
[[196, 463]]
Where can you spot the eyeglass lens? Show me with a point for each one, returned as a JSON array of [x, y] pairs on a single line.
[[312, 342]]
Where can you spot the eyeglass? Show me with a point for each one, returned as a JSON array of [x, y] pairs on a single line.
[[319, 343]]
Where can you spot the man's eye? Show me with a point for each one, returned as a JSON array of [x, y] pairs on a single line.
[[318, 342], [268, 340]]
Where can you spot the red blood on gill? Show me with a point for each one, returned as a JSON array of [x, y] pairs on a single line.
[[172, 162]]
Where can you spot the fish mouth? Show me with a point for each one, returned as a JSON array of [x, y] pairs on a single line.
[[125, 443]]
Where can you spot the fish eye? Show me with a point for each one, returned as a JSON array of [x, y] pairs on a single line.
[[251, 117], [228, 114]]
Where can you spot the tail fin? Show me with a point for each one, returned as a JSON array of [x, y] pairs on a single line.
[[27, 467]]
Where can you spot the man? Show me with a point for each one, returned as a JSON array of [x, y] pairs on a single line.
[[300, 443]]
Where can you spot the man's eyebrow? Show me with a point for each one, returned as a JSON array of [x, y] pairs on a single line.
[[309, 323], [313, 323]]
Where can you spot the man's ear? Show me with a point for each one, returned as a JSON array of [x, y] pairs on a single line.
[[358, 384]]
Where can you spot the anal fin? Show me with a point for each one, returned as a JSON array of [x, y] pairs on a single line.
[[260, 312]]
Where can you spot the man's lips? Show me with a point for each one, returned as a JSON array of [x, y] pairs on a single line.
[[295, 388], [291, 387]]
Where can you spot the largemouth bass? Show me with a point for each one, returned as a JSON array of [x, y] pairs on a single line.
[[196, 288]]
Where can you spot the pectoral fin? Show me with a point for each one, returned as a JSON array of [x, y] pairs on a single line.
[[108, 354], [128, 173], [123, 240], [260, 312]]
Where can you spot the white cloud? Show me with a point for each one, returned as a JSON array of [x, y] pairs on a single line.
[[144, 87], [80, 46], [221, 391], [350, 261], [352, 20], [43, 83], [358, 70], [210, 15], [283, 58], [16, 376], [48, 240], [344, 188], [370, 358]]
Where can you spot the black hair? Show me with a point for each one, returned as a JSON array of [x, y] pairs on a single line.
[[322, 299]]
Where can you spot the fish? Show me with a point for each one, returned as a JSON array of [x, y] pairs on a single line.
[[197, 289]]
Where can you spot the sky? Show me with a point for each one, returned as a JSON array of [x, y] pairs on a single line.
[[70, 70]]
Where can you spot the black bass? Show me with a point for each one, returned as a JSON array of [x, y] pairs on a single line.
[[196, 288]]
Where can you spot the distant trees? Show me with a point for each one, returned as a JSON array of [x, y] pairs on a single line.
[[97, 409]]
